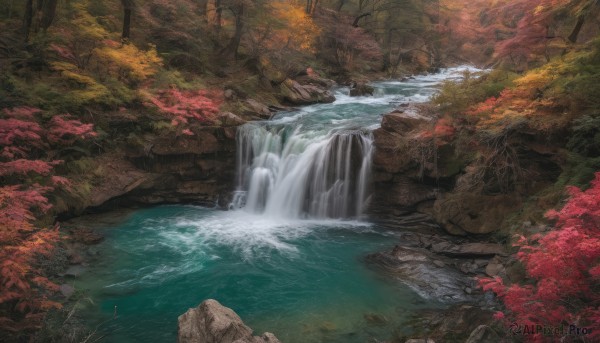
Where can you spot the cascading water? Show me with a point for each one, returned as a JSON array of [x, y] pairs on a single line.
[[296, 174]]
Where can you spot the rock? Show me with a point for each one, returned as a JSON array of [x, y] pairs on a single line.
[[66, 290], [315, 80], [230, 119], [439, 263], [420, 340], [483, 334], [229, 94], [495, 268], [467, 249], [361, 89], [403, 192], [472, 212], [256, 108], [297, 94], [415, 267], [212, 322], [402, 122]]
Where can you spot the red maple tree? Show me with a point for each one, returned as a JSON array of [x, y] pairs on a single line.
[[564, 267]]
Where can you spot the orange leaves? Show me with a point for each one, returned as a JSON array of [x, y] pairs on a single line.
[[443, 131]]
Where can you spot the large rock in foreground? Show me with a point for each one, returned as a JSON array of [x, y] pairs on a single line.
[[212, 322]]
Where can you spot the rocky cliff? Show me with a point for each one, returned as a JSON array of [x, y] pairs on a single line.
[[167, 168]]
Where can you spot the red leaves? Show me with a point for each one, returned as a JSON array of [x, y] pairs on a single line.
[[183, 106], [64, 130], [26, 139], [564, 265]]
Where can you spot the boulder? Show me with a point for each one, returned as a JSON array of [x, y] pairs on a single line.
[[495, 268], [297, 94], [361, 89], [253, 107], [230, 119], [212, 322]]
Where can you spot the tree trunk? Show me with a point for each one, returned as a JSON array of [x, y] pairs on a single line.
[[573, 36], [234, 43], [48, 14], [126, 24], [28, 18], [127, 10]]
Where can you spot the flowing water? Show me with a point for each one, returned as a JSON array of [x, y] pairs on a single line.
[[288, 255]]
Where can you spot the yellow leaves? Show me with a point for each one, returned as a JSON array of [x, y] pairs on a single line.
[[87, 90], [536, 79], [129, 61], [296, 29]]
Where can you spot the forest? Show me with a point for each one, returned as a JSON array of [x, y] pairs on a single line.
[[138, 103]]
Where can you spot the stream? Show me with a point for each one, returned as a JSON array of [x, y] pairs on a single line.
[[287, 256]]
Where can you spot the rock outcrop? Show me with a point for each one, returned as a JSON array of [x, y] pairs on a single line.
[[169, 168], [425, 273], [441, 267], [397, 180], [212, 322], [297, 94]]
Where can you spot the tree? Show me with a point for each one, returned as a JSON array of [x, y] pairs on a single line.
[[564, 267], [26, 174]]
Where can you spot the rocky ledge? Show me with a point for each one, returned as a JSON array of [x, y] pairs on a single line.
[[166, 168], [212, 322], [442, 267]]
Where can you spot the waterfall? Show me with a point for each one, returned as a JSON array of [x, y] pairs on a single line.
[[290, 173]]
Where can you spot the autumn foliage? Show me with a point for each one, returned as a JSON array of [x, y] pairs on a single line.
[[564, 267], [27, 177], [184, 106]]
